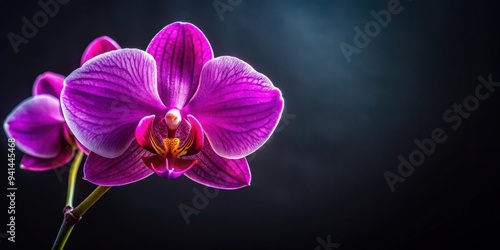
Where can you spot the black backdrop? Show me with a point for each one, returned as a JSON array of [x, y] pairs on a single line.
[[322, 176]]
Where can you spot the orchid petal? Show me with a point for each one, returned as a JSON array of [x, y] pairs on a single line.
[[32, 163], [105, 99], [36, 124], [99, 46], [180, 51], [124, 169], [48, 83], [218, 172], [238, 107]]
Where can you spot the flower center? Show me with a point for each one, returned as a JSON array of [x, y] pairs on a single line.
[[164, 139]]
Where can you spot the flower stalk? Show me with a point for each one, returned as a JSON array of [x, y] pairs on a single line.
[[72, 216], [73, 171]]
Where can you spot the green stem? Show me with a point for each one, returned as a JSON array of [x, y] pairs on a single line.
[[73, 171], [72, 216], [63, 234]]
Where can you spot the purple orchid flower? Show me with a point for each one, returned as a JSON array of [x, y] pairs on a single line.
[[38, 124], [174, 110]]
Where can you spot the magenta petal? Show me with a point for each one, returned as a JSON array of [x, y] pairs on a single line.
[[218, 172], [48, 83], [122, 170], [168, 169], [104, 99], [180, 51], [32, 163], [99, 46], [36, 124], [238, 107]]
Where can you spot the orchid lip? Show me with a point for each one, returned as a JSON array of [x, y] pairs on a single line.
[[168, 168]]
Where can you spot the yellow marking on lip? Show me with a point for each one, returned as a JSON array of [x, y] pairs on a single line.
[[171, 147], [171, 144], [185, 147]]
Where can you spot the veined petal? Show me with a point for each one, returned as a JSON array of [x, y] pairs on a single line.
[[105, 99], [48, 83], [36, 124], [99, 46], [32, 163], [122, 170], [180, 51], [218, 172], [238, 107]]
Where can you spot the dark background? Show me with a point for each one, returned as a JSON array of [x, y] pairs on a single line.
[[322, 173]]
